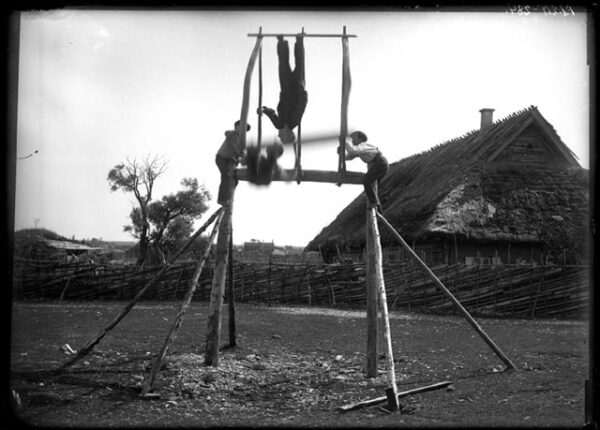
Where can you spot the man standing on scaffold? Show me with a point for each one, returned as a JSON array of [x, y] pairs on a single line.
[[377, 165]]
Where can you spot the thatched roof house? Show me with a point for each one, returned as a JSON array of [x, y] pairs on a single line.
[[511, 190]]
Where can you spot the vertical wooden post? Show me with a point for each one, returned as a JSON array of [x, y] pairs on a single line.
[[376, 277], [298, 142], [260, 92], [346, 85], [211, 353], [371, 294], [246, 95], [213, 331], [230, 294]]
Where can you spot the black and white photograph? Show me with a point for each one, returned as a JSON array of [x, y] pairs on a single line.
[[337, 217]]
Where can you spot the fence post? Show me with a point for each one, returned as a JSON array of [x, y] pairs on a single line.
[[243, 279], [269, 285], [477, 290], [496, 289], [564, 270], [256, 290], [308, 290], [283, 276], [231, 294], [539, 289]]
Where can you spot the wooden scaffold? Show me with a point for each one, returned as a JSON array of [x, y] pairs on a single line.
[[375, 284], [222, 232]]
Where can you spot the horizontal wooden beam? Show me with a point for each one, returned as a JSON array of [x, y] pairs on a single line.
[[299, 34], [310, 138], [333, 177]]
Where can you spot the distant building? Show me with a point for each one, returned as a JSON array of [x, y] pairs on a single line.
[[264, 248], [70, 251], [508, 192], [263, 252]]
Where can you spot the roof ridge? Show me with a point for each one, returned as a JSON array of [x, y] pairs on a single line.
[[477, 130], [472, 132], [508, 117]]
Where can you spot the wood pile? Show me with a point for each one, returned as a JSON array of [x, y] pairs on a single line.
[[516, 290]]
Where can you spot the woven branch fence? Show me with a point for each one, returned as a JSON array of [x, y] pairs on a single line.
[[511, 291]]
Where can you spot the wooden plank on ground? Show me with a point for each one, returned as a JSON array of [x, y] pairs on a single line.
[[401, 394]]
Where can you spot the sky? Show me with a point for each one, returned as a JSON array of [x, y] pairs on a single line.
[[97, 87]]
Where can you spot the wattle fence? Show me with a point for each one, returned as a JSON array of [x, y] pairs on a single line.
[[505, 291]]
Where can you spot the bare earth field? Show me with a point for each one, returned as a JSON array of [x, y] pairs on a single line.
[[292, 367]]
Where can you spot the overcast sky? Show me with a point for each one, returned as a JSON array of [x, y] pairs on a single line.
[[99, 86]]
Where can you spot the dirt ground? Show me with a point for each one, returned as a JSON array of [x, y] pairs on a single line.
[[291, 367]]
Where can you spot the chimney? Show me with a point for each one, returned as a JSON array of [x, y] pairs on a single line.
[[487, 117]]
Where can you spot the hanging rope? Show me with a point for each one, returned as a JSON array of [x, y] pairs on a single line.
[[299, 154], [298, 146]]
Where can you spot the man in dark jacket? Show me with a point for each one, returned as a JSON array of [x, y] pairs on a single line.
[[263, 169], [293, 97], [228, 156]]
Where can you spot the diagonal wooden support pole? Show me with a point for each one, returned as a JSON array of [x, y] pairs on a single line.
[[90, 345], [148, 383], [442, 287]]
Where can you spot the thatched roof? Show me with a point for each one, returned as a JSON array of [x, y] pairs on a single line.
[[463, 187]]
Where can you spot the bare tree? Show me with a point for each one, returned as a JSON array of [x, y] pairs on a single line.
[[138, 178]]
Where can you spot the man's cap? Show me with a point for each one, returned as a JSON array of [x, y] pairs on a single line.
[[359, 135], [247, 125]]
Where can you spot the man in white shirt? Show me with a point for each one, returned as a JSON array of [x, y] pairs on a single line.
[[377, 164]]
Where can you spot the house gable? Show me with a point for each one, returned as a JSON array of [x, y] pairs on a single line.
[[534, 144]]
